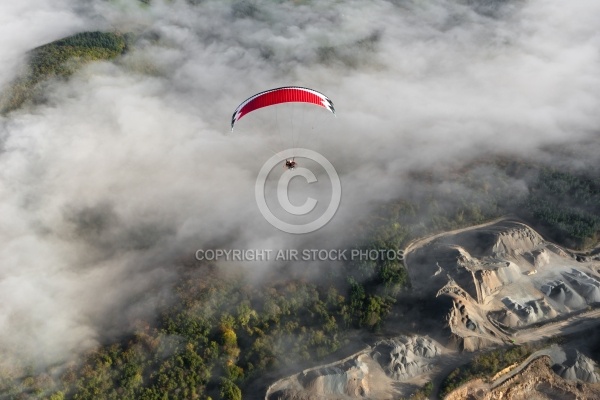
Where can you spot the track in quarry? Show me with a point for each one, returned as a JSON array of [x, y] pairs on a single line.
[[501, 284]]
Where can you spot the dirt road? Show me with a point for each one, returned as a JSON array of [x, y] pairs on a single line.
[[418, 243], [571, 325]]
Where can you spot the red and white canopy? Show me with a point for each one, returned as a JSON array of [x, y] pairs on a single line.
[[287, 94]]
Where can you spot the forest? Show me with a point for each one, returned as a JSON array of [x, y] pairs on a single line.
[[59, 60], [220, 337]]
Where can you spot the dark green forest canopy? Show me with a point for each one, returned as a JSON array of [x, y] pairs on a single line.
[[566, 206], [60, 59], [562, 204]]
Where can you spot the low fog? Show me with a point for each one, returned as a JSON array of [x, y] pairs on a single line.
[[130, 166]]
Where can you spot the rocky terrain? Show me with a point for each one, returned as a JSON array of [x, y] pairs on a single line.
[[502, 278], [578, 367], [538, 380], [506, 285], [371, 373]]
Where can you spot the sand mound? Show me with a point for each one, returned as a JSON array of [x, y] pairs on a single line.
[[585, 285], [348, 379], [538, 258], [373, 373], [562, 293], [515, 241], [527, 312], [405, 357], [578, 367], [500, 240]]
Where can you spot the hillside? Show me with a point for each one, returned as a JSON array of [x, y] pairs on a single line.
[[59, 60]]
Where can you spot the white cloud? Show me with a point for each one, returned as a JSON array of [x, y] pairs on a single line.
[[130, 165]]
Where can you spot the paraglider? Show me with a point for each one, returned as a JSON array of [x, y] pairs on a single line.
[[290, 164], [286, 94]]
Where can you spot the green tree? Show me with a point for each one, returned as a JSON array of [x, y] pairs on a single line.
[[229, 391]]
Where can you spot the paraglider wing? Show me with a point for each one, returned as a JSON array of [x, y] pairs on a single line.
[[288, 94]]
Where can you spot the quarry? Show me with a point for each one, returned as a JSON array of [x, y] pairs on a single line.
[[505, 281], [507, 286]]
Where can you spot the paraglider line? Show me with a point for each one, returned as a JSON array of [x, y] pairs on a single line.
[[292, 123], [281, 142]]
